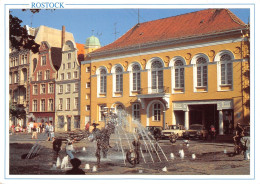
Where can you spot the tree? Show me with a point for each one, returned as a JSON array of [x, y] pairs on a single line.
[[19, 37]]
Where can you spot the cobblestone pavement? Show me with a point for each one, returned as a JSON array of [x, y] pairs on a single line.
[[211, 159]]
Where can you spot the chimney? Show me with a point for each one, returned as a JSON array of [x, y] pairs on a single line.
[[62, 36]]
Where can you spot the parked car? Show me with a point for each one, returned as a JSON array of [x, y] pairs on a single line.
[[196, 131], [178, 130], [153, 132]]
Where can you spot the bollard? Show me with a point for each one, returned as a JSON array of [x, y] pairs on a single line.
[[87, 166], [193, 156], [172, 156], [94, 169], [164, 169]]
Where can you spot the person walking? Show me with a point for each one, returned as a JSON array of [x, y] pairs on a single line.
[[47, 131], [51, 132], [34, 132]]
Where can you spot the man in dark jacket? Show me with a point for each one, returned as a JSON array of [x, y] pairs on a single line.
[[75, 162]]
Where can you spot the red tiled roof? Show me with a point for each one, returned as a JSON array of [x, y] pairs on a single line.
[[80, 48], [198, 23]]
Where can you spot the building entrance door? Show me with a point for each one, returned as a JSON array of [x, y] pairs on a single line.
[[69, 124]]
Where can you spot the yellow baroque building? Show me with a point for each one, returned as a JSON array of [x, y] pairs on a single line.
[[187, 69]]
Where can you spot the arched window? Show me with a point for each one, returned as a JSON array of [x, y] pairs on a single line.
[[103, 81], [157, 76], [119, 79], [179, 74], [226, 69], [136, 78], [202, 72]]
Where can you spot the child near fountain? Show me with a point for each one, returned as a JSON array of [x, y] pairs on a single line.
[[75, 162], [70, 148]]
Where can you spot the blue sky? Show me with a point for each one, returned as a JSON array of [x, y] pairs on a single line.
[[103, 22]]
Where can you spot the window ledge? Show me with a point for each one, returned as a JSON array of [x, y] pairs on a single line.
[[118, 92], [225, 85], [201, 87], [181, 88], [135, 91], [102, 93]]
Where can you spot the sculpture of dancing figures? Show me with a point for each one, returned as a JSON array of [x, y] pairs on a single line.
[[102, 137]]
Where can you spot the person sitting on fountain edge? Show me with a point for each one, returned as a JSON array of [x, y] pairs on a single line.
[[75, 162], [56, 145]]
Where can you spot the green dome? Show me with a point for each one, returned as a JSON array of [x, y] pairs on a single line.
[[92, 41]]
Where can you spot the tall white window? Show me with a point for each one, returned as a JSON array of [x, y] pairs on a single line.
[[76, 89], [101, 112], [76, 102], [75, 74], [69, 65], [43, 60], [60, 103], [202, 72], [157, 76], [179, 74], [51, 88], [69, 56], [103, 81], [68, 104], [68, 88], [62, 76], [68, 75], [226, 69], [50, 104], [35, 89], [39, 75], [47, 74], [156, 112], [43, 88], [136, 112], [42, 105], [34, 105], [61, 88], [119, 79], [136, 78]]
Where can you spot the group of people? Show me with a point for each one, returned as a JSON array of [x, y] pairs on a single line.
[[75, 162]]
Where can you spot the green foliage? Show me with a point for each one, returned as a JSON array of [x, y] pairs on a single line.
[[19, 37], [17, 111]]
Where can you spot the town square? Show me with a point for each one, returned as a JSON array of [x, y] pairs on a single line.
[[129, 93]]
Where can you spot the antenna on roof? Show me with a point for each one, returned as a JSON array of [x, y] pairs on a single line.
[[138, 17], [115, 33]]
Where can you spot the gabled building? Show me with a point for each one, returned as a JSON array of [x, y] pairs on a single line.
[[186, 69], [68, 88], [43, 72]]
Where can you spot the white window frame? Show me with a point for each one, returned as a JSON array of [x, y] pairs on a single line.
[[101, 81], [118, 79], [67, 103], [76, 87], [195, 72], [60, 106], [75, 74], [39, 75], [35, 105], [50, 105], [43, 60], [68, 75], [43, 88], [219, 69], [76, 103], [136, 112], [68, 86], [69, 56], [87, 107], [88, 85], [43, 104], [35, 89], [101, 110], [69, 65], [51, 88], [62, 76], [178, 68], [60, 88], [47, 74], [157, 112]]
